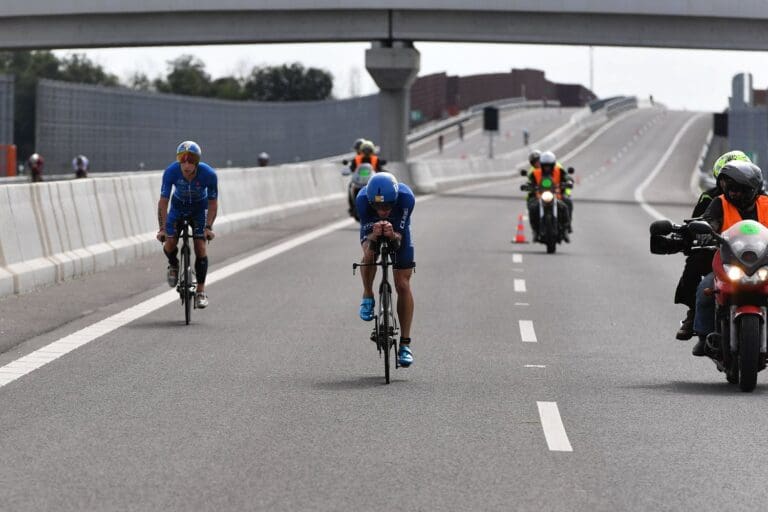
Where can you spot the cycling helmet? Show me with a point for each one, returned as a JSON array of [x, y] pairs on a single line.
[[382, 189], [35, 160], [189, 151], [741, 183], [80, 162], [357, 144], [727, 157], [367, 148], [533, 158]]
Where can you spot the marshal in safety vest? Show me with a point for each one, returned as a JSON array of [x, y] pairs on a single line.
[[731, 213]]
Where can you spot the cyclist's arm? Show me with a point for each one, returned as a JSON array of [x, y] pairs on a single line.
[[213, 208], [162, 212]]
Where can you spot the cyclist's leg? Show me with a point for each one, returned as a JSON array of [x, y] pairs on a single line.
[[170, 247], [367, 274], [403, 270], [201, 249]]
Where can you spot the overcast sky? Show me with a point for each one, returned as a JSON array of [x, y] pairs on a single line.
[[682, 79]]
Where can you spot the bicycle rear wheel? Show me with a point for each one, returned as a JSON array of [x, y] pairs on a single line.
[[186, 277]]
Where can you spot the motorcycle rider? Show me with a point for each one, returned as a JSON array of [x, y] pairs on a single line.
[[36, 164], [366, 154], [549, 168], [80, 166], [742, 199], [699, 263]]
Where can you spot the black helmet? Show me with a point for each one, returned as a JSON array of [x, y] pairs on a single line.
[[741, 183], [533, 158]]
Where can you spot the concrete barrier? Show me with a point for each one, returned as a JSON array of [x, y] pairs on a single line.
[[54, 231]]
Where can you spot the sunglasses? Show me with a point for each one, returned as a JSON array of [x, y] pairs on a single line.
[[188, 158]]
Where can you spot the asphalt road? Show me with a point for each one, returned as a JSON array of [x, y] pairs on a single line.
[[273, 399]]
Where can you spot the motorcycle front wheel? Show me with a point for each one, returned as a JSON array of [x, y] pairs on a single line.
[[749, 351]]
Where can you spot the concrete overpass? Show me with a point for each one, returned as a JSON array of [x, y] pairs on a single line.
[[654, 23]]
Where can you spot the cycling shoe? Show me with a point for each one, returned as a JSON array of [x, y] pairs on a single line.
[[366, 308]]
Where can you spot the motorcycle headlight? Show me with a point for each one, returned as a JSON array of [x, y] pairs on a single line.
[[734, 273], [762, 273], [547, 196]]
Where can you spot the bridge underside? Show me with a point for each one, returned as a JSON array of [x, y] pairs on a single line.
[[292, 26]]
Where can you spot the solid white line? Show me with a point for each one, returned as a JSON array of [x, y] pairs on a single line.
[[58, 348], [517, 258], [662, 163], [527, 333], [520, 285], [535, 366], [595, 135], [554, 431], [521, 304]]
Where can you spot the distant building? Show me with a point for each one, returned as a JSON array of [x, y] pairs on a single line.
[[438, 95]]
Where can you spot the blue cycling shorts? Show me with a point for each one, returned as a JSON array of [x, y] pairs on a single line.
[[196, 217], [403, 258]]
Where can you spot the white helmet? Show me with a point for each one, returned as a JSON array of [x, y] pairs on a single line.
[[548, 158]]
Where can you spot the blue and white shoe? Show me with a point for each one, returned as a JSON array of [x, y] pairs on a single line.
[[404, 356], [366, 308]]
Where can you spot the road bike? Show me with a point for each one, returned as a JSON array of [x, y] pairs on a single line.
[[385, 330]]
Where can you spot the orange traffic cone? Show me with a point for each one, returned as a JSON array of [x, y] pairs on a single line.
[[520, 236]]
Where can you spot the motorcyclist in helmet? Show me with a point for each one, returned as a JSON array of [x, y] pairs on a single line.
[[366, 154], [385, 208], [549, 169], [742, 199], [263, 159], [80, 166], [356, 145], [699, 263], [36, 163], [533, 159], [195, 195]]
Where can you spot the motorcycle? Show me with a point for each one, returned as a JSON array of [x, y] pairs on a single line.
[[358, 180], [552, 230], [740, 268]]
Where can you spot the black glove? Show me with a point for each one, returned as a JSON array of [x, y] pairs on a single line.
[[666, 245]]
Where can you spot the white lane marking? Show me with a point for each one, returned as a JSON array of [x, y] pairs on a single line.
[[56, 349], [554, 431], [521, 304], [595, 135], [517, 258], [535, 366], [662, 163], [520, 285], [527, 333]]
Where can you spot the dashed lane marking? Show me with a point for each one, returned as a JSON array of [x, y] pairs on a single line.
[[554, 430], [520, 285], [517, 258], [527, 334]]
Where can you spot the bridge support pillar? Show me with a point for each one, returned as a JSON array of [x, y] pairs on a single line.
[[394, 66]]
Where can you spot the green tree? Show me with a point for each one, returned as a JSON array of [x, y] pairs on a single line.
[[139, 81], [186, 76], [227, 88], [79, 68], [288, 83]]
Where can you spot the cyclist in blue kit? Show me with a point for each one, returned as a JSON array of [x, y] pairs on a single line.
[[385, 208], [195, 196]]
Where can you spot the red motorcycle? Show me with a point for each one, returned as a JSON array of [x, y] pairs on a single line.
[[740, 267]]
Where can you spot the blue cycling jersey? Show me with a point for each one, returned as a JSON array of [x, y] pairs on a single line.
[[190, 194], [399, 217]]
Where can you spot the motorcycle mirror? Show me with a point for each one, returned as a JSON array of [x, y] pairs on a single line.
[[523, 172], [345, 162], [571, 170], [661, 227], [699, 227], [523, 187]]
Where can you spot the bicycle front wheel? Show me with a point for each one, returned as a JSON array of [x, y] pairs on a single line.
[[386, 303]]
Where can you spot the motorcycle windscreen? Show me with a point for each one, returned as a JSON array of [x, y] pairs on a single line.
[[362, 174], [748, 243]]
